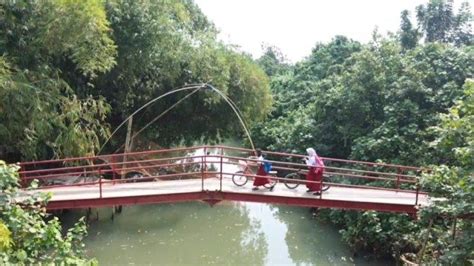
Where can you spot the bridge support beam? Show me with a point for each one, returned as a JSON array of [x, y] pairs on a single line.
[[213, 197], [211, 202]]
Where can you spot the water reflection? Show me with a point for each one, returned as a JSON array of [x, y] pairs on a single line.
[[189, 233], [310, 242], [228, 233]]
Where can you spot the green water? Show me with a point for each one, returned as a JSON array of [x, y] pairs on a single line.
[[226, 234]]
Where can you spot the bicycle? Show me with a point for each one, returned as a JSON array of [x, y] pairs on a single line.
[[240, 178], [300, 178]]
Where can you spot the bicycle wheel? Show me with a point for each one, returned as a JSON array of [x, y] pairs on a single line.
[[239, 178], [325, 187], [272, 183], [293, 183]]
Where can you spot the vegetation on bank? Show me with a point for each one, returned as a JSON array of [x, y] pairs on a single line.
[[405, 98], [28, 235]]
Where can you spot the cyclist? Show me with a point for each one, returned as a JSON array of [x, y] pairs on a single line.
[[260, 181], [315, 173]]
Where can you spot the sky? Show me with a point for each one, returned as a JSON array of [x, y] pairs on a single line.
[[295, 26]]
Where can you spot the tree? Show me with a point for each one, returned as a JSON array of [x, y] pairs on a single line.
[[462, 32], [439, 23], [90, 64], [428, 81], [35, 34], [163, 45], [41, 116], [296, 92], [28, 235], [450, 238], [408, 35], [273, 61]]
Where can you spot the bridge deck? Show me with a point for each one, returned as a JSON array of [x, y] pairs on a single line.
[[340, 197]]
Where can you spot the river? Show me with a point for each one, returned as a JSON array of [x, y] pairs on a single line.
[[228, 233]]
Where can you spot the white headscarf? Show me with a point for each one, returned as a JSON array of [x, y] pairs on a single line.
[[311, 152], [311, 161], [313, 158]]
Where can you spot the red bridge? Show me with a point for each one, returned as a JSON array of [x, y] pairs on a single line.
[[213, 174]]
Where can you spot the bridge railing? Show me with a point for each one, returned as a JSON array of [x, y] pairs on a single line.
[[205, 162], [395, 178], [350, 169]]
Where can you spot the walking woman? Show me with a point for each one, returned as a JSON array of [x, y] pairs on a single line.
[[315, 172], [260, 181]]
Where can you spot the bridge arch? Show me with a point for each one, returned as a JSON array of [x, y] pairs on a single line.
[[195, 88]]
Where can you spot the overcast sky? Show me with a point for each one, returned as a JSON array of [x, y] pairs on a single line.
[[296, 25]]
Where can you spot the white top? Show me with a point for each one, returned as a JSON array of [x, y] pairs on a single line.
[[259, 160], [311, 161]]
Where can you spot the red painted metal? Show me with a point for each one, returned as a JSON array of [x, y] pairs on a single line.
[[249, 151], [100, 187], [398, 174], [176, 158], [103, 170], [321, 203], [371, 164], [397, 184], [111, 155], [108, 202], [329, 168], [109, 164], [417, 193], [112, 159], [221, 167], [136, 161], [369, 177], [280, 179], [211, 202], [217, 196]]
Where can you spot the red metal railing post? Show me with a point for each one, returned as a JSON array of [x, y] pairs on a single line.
[[417, 192], [321, 186], [22, 176], [100, 184], [112, 166], [205, 161], [399, 171], [220, 182], [202, 173]]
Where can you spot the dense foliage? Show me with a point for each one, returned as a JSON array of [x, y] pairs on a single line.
[[367, 103], [165, 44], [28, 235], [72, 70], [394, 100], [40, 114], [453, 182]]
